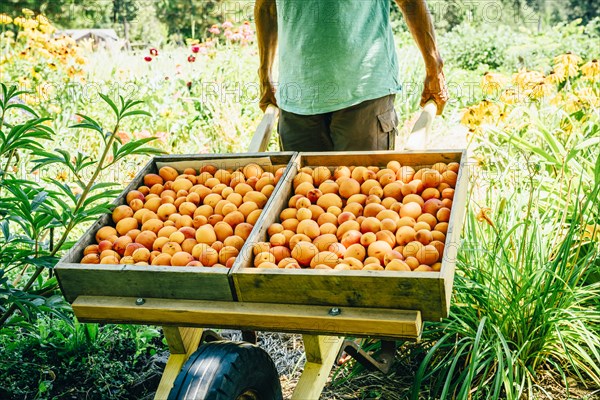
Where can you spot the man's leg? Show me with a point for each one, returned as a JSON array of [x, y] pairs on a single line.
[[370, 125], [304, 132]]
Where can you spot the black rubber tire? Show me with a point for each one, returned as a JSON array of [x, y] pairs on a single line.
[[223, 370]]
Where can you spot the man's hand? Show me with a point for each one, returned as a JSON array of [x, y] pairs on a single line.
[[435, 89], [267, 95]]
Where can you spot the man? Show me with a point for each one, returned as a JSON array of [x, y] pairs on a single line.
[[338, 70]]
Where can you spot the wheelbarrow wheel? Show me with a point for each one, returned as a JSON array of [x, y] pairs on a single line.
[[225, 370]]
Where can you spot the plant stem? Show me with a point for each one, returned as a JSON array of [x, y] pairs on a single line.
[[10, 156]]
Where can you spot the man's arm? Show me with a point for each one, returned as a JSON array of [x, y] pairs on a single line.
[[265, 15], [420, 25]]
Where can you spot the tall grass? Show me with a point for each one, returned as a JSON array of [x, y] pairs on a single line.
[[523, 301]]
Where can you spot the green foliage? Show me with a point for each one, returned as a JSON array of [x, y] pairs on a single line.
[[521, 301], [64, 359], [31, 214]]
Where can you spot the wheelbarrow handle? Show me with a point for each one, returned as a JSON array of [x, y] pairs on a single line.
[[419, 135], [262, 135], [417, 139]]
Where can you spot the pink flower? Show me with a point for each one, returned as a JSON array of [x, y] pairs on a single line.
[[153, 52], [226, 24], [214, 30], [147, 58], [195, 49], [191, 59], [142, 134], [228, 33], [162, 136], [124, 136]]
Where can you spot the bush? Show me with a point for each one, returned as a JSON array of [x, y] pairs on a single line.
[[65, 360]]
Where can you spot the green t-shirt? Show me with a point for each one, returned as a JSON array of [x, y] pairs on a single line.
[[334, 54]]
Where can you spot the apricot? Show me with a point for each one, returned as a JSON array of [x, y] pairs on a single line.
[[326, 258], [105, 232], [229, 208], [152, 179], [347, 226], [247, 208], [388, 224], [338, 249], [378, 249], [373, 267], [278, 239], [141, 254], [327, 218], [367, 238], [134, 195], [392, 255], [301, 178], [234, 241], [91, 249], [280, 252], [267, 265], [322, 242], [356, 251], [304, 252], [264, 256], [424, 236], [354, 264], [176, 237], [386, 236], [303, 213], [309, 228], [107, 253], [313, 195], [121, 243], [243, 230], [354, 208], [290, 224], [226, 253], [121, 212], [162, 259], [397, 265], [188, 245], [412, 210], [328, 228], [287, 261], [159, 243], [288, 213], [294, 240], [411, 249], [256, 197], [206, 234], [125, 225], [373, 209], [350, 237], [370, 224], [209, 257], [111, 259], [442, 227], [316, 211], [223, 230], [91, 258]]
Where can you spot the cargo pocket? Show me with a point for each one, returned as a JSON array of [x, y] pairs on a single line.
[[388, 122]]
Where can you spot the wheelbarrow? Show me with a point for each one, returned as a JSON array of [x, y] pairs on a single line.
[[324, 307]]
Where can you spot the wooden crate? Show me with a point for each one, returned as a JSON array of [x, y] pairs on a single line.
[[428, 292], [190, 283]]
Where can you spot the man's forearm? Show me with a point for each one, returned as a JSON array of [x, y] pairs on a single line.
[[265, 15], [419, 23]]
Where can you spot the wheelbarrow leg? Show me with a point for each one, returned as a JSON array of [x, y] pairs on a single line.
[[182, 343], [321, 352]]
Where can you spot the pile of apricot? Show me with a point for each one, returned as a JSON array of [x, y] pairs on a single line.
[[363, 218], [197, 218]]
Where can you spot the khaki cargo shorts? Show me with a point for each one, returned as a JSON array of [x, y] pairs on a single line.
[[370, 125]]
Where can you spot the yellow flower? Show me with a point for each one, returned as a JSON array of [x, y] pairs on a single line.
[[19, 21], [542, 90], [5, 19], [42, 19], [566, 70], [509, 96], [30, 24], [526, 79], [572, 103], [492, 83], [29, 99], [27, 12], [587, 96], [9, 34], [482, 215], [468, 118], [591, 70], [554, 78], [80, 60], [568, 59]]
